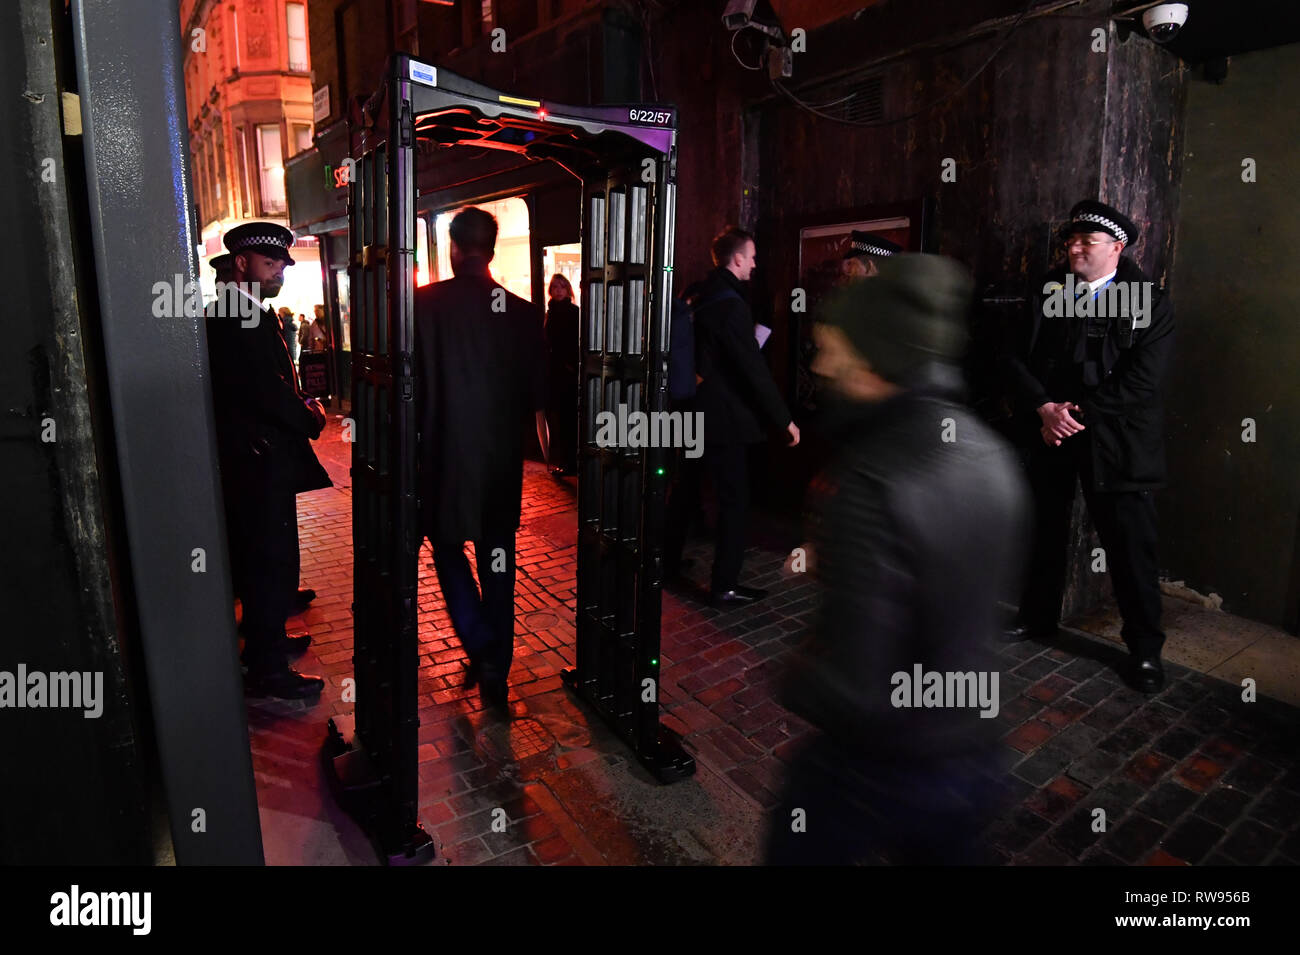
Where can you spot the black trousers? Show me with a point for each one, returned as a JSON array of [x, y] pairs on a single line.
[[728, 468], [1126, 524], [484, 619], [263, 531], [682, 506], [562, 421]]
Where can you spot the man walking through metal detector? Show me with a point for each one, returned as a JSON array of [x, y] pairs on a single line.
[[480, 369]]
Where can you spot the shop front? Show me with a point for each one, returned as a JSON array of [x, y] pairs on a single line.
[[316, 181]]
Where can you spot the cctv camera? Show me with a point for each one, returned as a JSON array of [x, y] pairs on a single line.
[[758, 14], [1164, 20], [737, 14]]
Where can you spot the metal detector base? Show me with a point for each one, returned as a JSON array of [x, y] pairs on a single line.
[[667, 761], [356, 788]]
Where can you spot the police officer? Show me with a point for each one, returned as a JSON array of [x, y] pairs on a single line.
[[859, 261], [224, 266], [1100, 339], [264, 424]]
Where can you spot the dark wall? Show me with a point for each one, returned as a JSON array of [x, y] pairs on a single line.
[[1229, 518], [1049, 122]]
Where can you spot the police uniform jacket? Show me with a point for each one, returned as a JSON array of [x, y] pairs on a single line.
[[1123, 413], [264, 428]]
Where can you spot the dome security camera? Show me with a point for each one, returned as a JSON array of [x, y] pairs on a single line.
[[1163, 21]]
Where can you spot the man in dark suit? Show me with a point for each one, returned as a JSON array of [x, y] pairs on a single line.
[[264, 425], [480, 368], [1092, 376], [739, 401]]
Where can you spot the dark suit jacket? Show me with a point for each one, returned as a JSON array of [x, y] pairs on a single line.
[[264, 427], [1124, 415], [738, 397], [480, 374]]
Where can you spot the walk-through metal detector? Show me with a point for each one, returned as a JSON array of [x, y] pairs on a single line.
[[625, 157]]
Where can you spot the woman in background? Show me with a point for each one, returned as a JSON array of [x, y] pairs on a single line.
[[564, 349]]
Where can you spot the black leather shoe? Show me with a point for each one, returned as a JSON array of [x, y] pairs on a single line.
[[1149, 675], [287, 685], [297, 644], [739, 595], [1027, 632], [302, 600], [495, 695]]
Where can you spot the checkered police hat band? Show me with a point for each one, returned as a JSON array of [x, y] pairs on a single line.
[[869, 249], [1110, 226], [246, 241]]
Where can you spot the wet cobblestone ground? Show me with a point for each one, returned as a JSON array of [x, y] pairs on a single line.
[[1193, 775]]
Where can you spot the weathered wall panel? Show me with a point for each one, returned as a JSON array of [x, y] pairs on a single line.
[[1229, 519]]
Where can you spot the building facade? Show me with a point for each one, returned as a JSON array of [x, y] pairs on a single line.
[[249, 108]]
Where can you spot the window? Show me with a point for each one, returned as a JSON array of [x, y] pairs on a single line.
[[234, 16], [423, 275], [296, 13], [271, 160], [198, 176], [219, 149], [301, 138], [241, 164], [212, 210]]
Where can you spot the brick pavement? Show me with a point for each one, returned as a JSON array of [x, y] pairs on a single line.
[[1192, 775]]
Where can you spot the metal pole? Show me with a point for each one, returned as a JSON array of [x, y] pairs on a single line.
[[138, 182]]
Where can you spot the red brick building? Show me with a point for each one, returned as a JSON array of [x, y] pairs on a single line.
[[248, 94]]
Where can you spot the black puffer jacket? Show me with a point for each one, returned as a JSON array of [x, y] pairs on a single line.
[[922, 518]]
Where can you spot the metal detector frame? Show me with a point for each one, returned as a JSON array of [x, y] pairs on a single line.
[[626, 159]]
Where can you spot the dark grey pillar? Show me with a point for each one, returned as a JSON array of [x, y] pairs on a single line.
[[137, 166]]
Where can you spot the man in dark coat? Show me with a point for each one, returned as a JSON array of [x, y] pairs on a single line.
[[739, 401], [919, 529], [264, 426], [480, 367], [1093, 370]]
